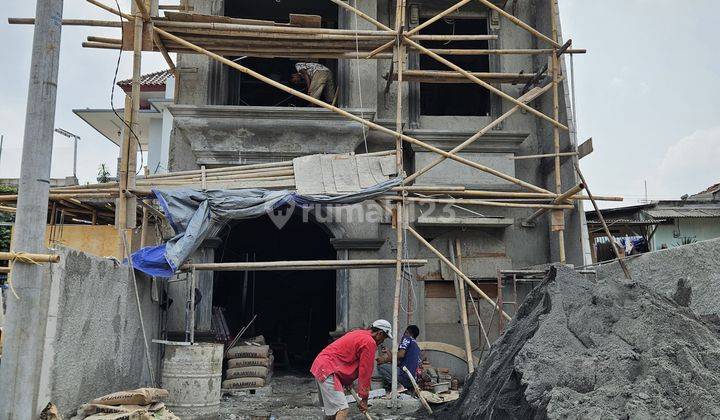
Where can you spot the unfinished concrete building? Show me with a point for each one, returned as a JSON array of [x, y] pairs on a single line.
[[223, 117]]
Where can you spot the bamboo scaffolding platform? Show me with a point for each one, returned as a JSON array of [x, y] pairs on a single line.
[[219, 37]]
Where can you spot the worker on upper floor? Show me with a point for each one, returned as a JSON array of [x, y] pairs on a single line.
[[317, 80], [408, 356], [348, 358]]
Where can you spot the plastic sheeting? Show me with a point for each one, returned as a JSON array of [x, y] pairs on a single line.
[[196, 215]]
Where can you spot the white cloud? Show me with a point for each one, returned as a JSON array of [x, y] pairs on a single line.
[[691, 162]]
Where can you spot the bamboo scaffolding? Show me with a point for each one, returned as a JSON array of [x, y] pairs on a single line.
[[531, 95], [300, 265], [555, 70], [560, 199], [340, 111]]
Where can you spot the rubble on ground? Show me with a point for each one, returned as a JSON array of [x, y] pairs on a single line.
[[607, 349], [141, 404]]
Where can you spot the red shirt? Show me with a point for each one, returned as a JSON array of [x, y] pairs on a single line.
[[350, 357]]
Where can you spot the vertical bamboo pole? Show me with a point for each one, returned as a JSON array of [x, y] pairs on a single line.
[[399, 207], [463, 308], [128, 159], [555, 64]]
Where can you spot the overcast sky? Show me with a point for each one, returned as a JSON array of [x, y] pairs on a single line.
[[647, 92]]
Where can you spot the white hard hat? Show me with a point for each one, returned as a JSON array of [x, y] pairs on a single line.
[[384, 326]]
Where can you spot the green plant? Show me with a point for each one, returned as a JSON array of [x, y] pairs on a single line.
[[103, 173], [685, 240]]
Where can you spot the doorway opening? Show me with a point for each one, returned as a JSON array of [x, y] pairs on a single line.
[[295, 310], [248, 91]]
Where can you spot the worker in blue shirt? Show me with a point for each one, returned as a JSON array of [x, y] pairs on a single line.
[[408, 356]]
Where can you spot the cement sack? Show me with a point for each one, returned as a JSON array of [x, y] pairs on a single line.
[[242, 383], [247, 372], [250, 361], [138, 414], [142, 396], [610, 349], [257, 352], [90, 409]]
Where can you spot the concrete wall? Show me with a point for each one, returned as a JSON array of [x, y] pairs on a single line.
[[93, 343]]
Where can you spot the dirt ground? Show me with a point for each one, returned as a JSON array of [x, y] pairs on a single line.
[[293, 396]]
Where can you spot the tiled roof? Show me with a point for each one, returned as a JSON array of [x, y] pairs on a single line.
[[709, 190], [159, 78]]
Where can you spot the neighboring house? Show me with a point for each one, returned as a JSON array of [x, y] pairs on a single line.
[[659, 224], [156, 94]]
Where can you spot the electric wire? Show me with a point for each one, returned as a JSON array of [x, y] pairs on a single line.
[[112, 95]]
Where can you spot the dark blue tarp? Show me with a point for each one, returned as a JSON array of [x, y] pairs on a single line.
[[196, 215]]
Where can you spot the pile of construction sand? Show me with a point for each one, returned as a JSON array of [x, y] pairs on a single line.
[[607, 349]]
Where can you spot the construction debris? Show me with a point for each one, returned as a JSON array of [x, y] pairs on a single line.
[[611, 349], [141, 404]]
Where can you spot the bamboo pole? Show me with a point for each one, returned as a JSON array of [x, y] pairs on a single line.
[[609, 235], [399, 53], [5, 270], [421, 26], [105, 40], [70, 22], [482, 202], [520, 23], [462, 303], [340, 111], [370, 19], [525, 51], [171, 25], [111, 10], [557, 201], [555, 67], [486, 85], [7, 209], [544, 155], [457, 271], [29, 258], [529, 96], [302, 265]]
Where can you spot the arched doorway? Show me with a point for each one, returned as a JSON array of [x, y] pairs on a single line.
[[296, 310]]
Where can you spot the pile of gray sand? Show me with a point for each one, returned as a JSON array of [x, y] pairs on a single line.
[[611, 349]]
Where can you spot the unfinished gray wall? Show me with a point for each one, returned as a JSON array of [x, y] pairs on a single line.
[[93, 343]]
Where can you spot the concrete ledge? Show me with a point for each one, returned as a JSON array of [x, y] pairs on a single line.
[[474, 222]]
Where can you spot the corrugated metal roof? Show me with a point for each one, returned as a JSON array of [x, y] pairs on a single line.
[[159, 78], [611, 222], [676, 213]]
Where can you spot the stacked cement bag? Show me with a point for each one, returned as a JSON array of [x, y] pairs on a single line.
[[249, 365]]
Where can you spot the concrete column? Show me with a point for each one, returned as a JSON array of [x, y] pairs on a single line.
[[27, 317]]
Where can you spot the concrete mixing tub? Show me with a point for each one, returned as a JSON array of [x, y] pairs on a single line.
[[192, 376]]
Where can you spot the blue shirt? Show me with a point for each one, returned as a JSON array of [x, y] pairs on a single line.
[[412, 355]]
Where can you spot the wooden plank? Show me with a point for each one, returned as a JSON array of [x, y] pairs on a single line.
[[345, 174], [364, 171], [201, 18], [306, 21], [328, 176], [308, 175], [444, 348], [128, 37]]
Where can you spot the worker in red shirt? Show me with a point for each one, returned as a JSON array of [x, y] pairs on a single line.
[[350, 357]]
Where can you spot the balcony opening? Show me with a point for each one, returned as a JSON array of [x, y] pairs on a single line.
[[245, 90], [464, 99]]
